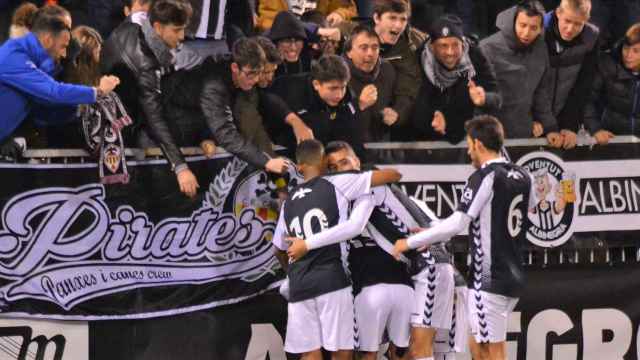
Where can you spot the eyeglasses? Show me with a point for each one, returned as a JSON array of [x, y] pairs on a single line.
[[252, 74]]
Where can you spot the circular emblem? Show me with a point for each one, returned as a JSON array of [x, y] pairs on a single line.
[[554, 188], [445, 31]]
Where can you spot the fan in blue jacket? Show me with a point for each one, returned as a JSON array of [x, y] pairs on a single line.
[[26, 68]]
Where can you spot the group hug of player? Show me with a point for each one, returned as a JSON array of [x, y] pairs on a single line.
[[367, 265]]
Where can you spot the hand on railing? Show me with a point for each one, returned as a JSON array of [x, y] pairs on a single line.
[[188, 182], [603, 136]]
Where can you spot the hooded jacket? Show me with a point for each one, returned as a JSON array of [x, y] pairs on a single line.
[[285, 26], [383, 76], [26, 80], [454, 101], [573, 67], [615, 98], [523, 79]]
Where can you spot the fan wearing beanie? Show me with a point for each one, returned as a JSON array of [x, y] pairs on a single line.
[[458, 82]]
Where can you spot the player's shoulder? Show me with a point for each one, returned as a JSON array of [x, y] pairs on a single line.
[[511, 172]]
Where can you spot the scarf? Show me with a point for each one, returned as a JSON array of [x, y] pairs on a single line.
[[102, 123], [442, 77]]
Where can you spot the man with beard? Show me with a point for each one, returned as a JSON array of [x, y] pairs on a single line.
[[372, 83], [496, 193], [519, 57], [458, 82], [399, 44]]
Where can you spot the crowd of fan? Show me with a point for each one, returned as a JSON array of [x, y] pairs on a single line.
[[246, 75]]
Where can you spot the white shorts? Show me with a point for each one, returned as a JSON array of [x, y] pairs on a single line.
[[383, 307], [455, 340], [488, 314], [434, 288], [326, 321]]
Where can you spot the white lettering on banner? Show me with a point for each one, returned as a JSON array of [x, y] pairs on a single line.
[[611, 196], [63, 245], [265, 341], [607, 192], [543, 323], [594, 322], [40, 339]]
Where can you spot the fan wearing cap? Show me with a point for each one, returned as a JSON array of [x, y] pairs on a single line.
[[458, 82]]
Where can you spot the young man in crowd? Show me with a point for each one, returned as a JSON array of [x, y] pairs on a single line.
[[208, 94], [573, 45], [322, 101], [521, 62], [459, 81], [320, 306], [496, 193], [139, 55], [399, 44]]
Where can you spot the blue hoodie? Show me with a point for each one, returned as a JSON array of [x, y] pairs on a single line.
[[26, 80]]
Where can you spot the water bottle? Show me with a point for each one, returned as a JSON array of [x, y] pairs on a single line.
[[584, 138]]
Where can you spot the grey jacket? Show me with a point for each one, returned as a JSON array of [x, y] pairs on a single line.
[[523, 79]]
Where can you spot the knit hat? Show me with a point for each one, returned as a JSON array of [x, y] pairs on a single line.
[[287, 25], [446, 25]]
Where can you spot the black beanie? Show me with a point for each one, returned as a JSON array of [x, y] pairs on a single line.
[[446, 25]]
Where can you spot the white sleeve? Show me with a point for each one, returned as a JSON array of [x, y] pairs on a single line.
[[352, 184], [346, 230], [441, 232], [280, 233]]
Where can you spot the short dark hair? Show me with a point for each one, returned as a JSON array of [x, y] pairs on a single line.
[[360, 29], [397, 6], [330, 68], [50, 19], [338, 145], [310, 152], [24, 14], [488, 130], [531, 8], [175, 12], [271, 52], [248, 52], [129, 3]]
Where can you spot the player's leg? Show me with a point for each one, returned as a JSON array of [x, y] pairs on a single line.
[[399, 320], [497, 351], [312, 355], [303, 330], [337, 323], [422, 339], [479, 351], [372, 305]]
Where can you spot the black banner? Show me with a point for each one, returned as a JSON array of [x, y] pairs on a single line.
[[72, 248]]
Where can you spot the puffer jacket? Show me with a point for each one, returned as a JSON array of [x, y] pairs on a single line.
[[523, 79], [139, 61], [268, 9], [615, 98], [573, 66]]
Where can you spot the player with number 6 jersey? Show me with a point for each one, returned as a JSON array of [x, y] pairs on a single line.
[[494, 207]]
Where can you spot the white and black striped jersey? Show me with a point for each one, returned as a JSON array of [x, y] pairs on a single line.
[[497, 198], [312, 207], [393, 216]]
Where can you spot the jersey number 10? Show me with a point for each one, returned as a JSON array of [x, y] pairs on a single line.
[[305, 230]]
